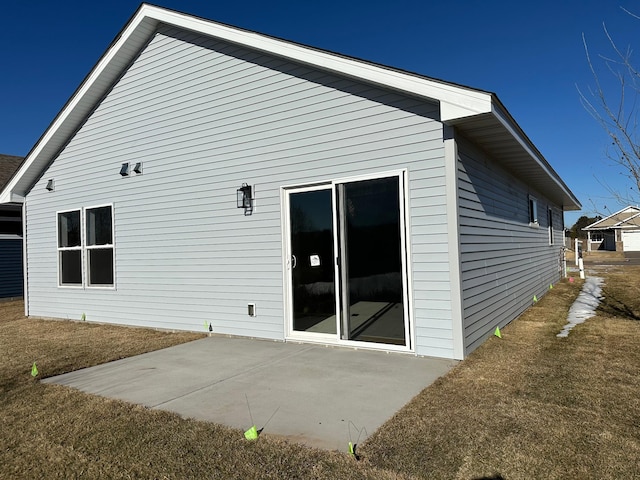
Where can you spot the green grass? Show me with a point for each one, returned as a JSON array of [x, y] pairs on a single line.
[[529, 405]]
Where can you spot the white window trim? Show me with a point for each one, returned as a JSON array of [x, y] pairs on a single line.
[[86, 248], [62, 249], [532, 209], [550, 226], [84, 258]]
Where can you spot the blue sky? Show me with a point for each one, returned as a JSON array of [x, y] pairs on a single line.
[[529, 53]]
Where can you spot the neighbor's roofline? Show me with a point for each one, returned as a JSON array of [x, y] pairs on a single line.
[[593, 226], [455, 101]]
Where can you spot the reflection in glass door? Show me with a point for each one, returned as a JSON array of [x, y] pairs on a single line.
[[312, 262], [371, 263]]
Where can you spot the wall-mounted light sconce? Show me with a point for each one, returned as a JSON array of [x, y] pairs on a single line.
[[124, 170], [138, 168], [51, 186], [244, 197]]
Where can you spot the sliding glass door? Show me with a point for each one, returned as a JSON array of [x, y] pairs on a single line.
[[346, 265], [371, 266]]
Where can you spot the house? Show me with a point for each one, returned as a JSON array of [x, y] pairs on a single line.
[[11, 282], [208, 177], [619, 232]]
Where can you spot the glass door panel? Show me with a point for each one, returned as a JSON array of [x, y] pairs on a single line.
[[312, 262], [370, 257]]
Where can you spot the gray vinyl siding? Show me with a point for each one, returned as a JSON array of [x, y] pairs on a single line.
[[11, 284], [205, 116], [505, 261]]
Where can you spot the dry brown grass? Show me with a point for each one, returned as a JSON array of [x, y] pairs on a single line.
[[532, 405], [528, 406], [49, 431]]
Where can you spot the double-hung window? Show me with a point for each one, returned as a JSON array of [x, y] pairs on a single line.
[[86, 248], [99, 246], [69, 249]]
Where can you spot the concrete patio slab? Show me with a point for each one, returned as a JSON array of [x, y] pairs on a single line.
[[313, 394]]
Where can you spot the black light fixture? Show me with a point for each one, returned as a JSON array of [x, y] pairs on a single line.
[[244, 196], [51, 186], [124, 170]]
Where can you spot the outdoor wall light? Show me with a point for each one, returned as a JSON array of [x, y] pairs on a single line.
[[51, 186], [244, 197], [124, 170]]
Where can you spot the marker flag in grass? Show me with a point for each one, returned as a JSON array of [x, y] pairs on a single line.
[[83, 317], [251, 434], [34, 370], [352, 451], [535, 299], [497, 332], [551, 286]]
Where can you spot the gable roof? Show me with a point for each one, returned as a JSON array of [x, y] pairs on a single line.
[[628, 217], [478, 114], [8, 166]]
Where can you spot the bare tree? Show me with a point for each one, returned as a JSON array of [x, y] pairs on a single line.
[[616, 110]]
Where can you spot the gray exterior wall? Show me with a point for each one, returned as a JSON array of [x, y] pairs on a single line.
[[205, 116], [11, 283], [505, 260]]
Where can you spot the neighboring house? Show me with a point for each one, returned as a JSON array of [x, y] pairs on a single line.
[[11, 281], [378, 208], [619, 232]]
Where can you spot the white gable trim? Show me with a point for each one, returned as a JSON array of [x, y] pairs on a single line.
[[456, 102]]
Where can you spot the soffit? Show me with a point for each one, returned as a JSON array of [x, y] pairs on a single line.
[[517, 155]]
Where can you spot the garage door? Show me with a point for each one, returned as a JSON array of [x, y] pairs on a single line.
[[631, 241]]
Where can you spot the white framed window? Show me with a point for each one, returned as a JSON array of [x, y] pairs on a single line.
[[99, 246], [69, 248], [533, 210], [550, 225], [86, 251]]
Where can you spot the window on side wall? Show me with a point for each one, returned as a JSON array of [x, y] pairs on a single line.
[[86, 248], [550, 223], [533, 210], [99, 246], [69, 249]]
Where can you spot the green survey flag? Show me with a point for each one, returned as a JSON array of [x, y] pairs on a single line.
[[535, 299], [251, 434], [497, 332], [352, 452], [34, 370]]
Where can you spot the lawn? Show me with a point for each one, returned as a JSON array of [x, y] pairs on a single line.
[[529, 405]]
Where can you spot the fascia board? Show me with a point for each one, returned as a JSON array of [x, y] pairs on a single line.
[[456, 101]]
